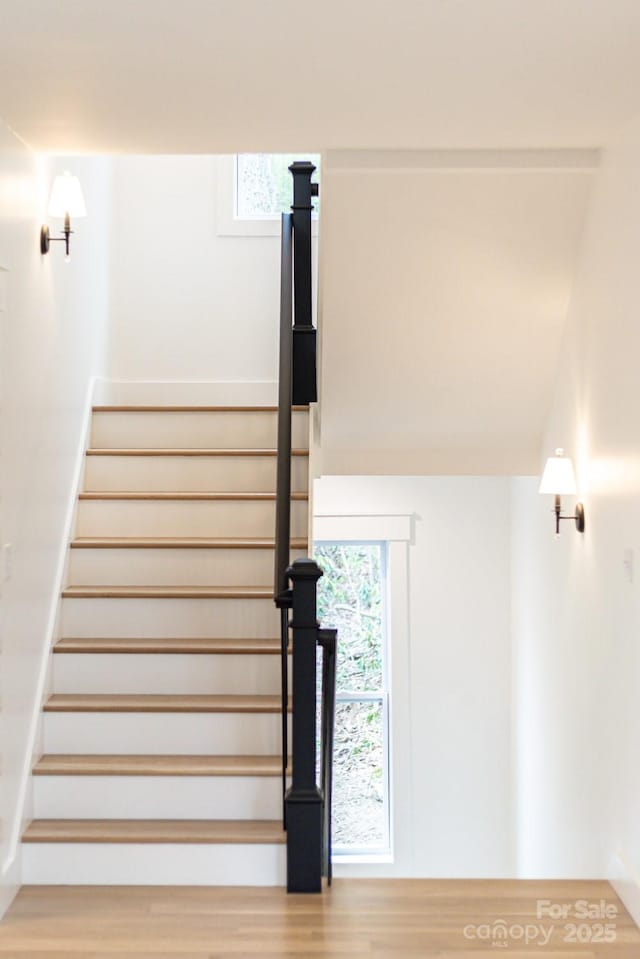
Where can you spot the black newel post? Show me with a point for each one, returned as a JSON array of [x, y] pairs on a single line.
[[304, 334], [304, 805]]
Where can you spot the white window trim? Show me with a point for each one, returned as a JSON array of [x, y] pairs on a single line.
[[227, 223], [338, 527], [396, 530]]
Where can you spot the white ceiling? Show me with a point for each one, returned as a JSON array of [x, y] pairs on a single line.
[[209, 76]]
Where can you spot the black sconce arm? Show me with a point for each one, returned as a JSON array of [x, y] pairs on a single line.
[[46, 239], [578, 516]]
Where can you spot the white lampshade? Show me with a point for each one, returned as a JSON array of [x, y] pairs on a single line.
[[66, 197], [558, 477]]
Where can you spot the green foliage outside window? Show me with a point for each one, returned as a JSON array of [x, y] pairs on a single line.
[[350, 598]]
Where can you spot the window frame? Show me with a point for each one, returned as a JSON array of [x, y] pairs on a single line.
[[382, 696], [333, 523], [227, 221]]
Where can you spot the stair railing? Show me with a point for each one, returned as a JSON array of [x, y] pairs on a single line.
[[297, 366], [307, 803], [281, 591]]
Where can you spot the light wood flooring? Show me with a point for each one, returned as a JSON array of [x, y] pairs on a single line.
[[401, 919]]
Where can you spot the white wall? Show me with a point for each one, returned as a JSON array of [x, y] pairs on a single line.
[[187, 303], [576, 609], [52, 336], [456, 731], [446, 279]]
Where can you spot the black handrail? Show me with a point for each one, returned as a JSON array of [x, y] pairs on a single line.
[[283, 477], [281, 592], [307, 804]]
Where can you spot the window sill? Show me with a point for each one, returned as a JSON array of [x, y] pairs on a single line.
[[230, 225], [355, 859]]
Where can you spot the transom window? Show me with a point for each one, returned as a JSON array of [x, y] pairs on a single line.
[[264, 184]]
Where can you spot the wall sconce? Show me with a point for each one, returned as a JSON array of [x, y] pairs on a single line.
[[66, 201], [558, 479]]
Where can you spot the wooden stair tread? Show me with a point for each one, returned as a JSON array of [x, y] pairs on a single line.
[[134, 765], [168, 592], [180, 542], [132, 408], [163, 495], [187, 451], [171, 645], [154, 831], [160, 703]]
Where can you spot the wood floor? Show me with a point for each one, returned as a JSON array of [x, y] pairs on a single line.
[[402, 919]]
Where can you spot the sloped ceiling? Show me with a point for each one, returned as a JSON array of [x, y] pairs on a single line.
[[216, 76], [444, 296]]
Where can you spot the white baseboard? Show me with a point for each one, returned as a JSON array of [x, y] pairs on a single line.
[[189, 393], [9, 882], [626, 882], [22, 812], [369, 867]]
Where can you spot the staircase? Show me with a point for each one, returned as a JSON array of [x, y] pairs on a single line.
[[161, 736]]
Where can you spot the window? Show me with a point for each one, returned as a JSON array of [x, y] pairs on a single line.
[[264, 183], [254, 189], [351, 599]]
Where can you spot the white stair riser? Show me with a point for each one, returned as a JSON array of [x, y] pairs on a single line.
[[172, 567], [223, 734], [157, 797], [78, 864], [191, 473], [213, 430], [157, 673], [157, 618], [185, 518]]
